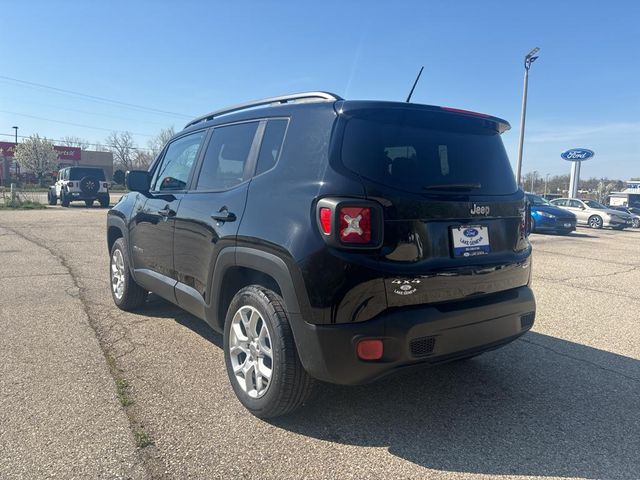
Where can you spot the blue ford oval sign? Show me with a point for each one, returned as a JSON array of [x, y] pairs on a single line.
[[577, 154], [470, 232]]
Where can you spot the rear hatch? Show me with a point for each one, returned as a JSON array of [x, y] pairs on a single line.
[[454, 218]]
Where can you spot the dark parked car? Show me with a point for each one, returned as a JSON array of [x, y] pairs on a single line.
[[547, 218], [633, 211], [330, 239]]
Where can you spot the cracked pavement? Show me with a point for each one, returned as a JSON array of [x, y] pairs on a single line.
[[561, 402]]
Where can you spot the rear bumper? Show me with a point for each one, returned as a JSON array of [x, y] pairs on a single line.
[[414, 335], [554, 224], [82, 196]]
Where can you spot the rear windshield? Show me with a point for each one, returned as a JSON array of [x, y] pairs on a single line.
[[80, 173], [427, 152]]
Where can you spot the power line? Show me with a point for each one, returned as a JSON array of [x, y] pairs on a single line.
[[70, 123], [93, 97], [99, 145], [85, 112]]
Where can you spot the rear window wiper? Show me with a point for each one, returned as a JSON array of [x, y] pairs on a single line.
[[454, 186]]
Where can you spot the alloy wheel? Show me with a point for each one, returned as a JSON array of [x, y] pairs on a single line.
[[117, 273], [250, 351], [595, 222]]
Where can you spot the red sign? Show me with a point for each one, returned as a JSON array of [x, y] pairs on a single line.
[[68, 154]]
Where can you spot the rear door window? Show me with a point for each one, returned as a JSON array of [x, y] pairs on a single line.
[[416, 151], [226, 157]]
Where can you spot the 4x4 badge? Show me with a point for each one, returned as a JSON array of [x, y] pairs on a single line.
[[406, 287], [480, 210]]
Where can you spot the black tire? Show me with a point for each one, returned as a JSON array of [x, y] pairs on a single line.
[[636, 223], [532, 226], [88, 203], [290, 386], [104, 200], [595, 221], [52, 198], [64, 199], [133, 295]]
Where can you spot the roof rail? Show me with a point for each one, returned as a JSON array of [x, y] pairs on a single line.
[[320, 96]]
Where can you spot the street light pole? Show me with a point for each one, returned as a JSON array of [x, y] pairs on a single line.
[[528, 60], [16, 129]]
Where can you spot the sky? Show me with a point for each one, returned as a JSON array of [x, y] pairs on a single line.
[[178, 60]]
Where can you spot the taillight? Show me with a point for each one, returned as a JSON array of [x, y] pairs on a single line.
[[355, 224], [325, 220], [350, 223]]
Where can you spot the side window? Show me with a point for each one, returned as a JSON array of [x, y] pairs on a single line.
[[174, 169], [560, 203], [271, 145], [226, 156], [575, 204]]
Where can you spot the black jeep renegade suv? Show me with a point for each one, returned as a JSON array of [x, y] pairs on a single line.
[[330, 239]]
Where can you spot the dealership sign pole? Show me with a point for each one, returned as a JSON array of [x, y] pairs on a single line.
[[576, 156]]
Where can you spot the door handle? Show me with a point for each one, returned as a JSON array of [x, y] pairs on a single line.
[[224, 215], [166, 212]]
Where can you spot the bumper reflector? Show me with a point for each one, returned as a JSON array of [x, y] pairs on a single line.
[[370, 349]]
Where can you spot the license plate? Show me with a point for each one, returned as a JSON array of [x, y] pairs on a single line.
[[470, 240]]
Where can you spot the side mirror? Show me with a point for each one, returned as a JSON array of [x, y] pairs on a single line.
[[138, 181]]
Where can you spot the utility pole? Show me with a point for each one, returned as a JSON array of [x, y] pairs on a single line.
[[15, 128], [528, 60], [546, 183]]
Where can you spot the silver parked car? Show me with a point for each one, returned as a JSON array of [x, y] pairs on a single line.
[[594, 214]]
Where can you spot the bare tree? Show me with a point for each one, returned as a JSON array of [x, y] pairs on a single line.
[[142, 159], [75, 142], [38, 155], [123, 147], [157, 143]]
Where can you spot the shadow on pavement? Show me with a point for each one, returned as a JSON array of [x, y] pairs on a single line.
[[540, 406]]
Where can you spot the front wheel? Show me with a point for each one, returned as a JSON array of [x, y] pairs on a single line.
[[260, 354], [636, 223], [88, 203], [595, 221], [52, 198]]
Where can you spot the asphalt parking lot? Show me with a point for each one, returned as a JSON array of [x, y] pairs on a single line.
[[563, 401]]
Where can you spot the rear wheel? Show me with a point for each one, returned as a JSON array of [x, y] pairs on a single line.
[[64, 199], [260, 354], [126, 293], [104, 200], [595, 221], [636, 223], [88, 203]]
